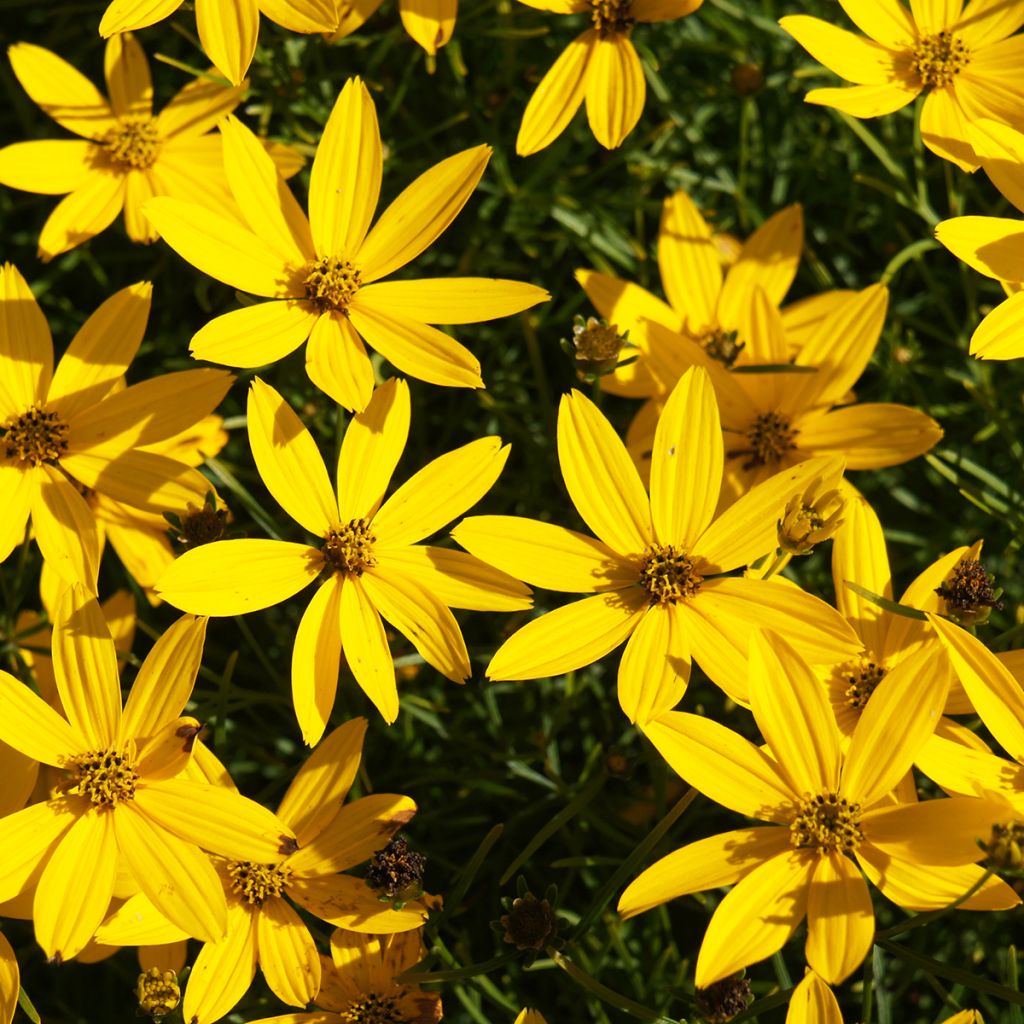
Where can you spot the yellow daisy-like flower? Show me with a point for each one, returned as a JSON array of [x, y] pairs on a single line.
[[812, 1002], [69, 431], [125, 155], [600, 66], [366, 553], [263, 928], [120, 799], [325, 273], [776, 420], [429, 23], [657, 574], [360, 983], [964, 60], [227, 28], [832, 817]]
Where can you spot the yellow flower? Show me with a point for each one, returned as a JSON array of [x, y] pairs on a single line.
[[69, 431], [773, 421], [963, 59], [366, 554], [831, 817], [601, 66], [360, 983], [263, 928], [227, 28], [125, 155], [812, 1002], [325, 273], [120, 797], [10, 981], [657, 574], [429, 23]]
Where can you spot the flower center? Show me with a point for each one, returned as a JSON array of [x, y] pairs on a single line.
[[611, 16], [668, 574], [331, 283], [969, 593], [258, 882], [828, 823], [857, 680], [35, 437], [724, 346], [349, 548], [106, 777], [201, 524], [135, 142], [372, 1009], [938, 59], [769, 438]]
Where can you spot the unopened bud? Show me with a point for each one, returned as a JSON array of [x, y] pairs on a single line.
[[530, 923], [1005, 847], [810, 518], [158, 992], [596, 346]]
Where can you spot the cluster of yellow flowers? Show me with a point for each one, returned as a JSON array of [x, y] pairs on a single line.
[[121, 828]]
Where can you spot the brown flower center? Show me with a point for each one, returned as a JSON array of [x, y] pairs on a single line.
[[861, 679], [258, 882], [769, 437], [331, 283], [668, 574], [349, 548], [828, 823], [939, 58], [612, 16], [106, 777], [134, 142], [372, 1009], [35, 437], [396, 872]]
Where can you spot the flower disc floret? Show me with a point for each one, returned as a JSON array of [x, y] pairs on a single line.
[[828, 823], [612, 16], [256, 883], [349, 548], [937, 59], [668, 574], [134, 142], [331, 283], [769, 437], [861, 677], [106, 777], [35, 437], [372, 1009], [721, 345]]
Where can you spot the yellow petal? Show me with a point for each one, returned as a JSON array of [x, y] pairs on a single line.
[[945, 129], [176, 876], [350, 903], [936, 15], [453, 300], [422, 618], [416, 349], [991, 245], [1001, 334], [215, 819], [723, 765], [265, 200], [123, 15], [812, 1002], [366, 648], [866, 100], [570, 637], [228, 34], [316, 660], [663, 10], [988, 21], [62, 92], [17, 493], [886, 21], [691, 271], [793, 714], [706, 864], [440, 492], [655, 666], [196, 108], [301, 15], [902, 713], [31, 726], [430, 23], [615, 90], [66, 912], [420, 213], [29, 836], [374, 441], [222, 248], [858, 60], [137, 922], [10, 981], [557, 98], [686, 462], [65, 529], [232, 577], [255, 335], [26, 347], [322, 783], [287, 955], [840, 918], [101, 350], [47, 166], [1000, 149], [223, 970], [871, 435], [756, 918], [455, 578], [545, 555], [288, 460], [128, 81], [344, 184], [87, 211], [601, 478], [337, 363]]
